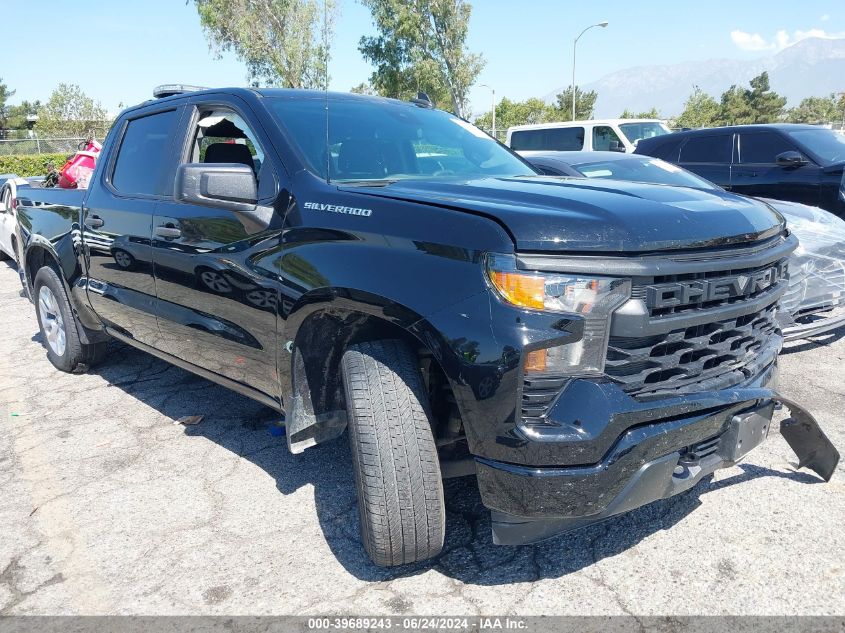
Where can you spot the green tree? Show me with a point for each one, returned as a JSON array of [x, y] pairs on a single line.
[[421, 46], [760, 104], [70, 111], [645, 114], [735, 108], [17, 114], [700, 110], [5, 93], [282, 42], [816, 110], [766, 104], [584, 105], [363, 88], [510, 113]]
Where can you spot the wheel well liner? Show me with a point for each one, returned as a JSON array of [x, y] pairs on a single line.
[[317, 411]]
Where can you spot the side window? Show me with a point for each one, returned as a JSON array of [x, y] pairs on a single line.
[[604, 138], [527, 140], [711, 148], [222, 136], [565, 138], [142, 156], [668, 150], [562, 138], [762, 147], [549, 171]]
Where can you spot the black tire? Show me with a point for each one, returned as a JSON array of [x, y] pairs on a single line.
[[126, 257], [3, 255], [394, 456], [75, 356]]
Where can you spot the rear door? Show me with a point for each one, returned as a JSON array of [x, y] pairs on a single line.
[[118, 222], [217, 309], [757, 174], [709, 155]]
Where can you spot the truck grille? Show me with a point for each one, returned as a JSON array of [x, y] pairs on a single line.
[[676, 294], [713, 355], [696, 321]]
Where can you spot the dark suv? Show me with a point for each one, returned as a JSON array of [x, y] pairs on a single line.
[[801, 163]]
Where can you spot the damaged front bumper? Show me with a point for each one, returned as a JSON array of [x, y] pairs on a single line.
[[648, 462]]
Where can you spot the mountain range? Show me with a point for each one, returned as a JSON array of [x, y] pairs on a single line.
[[811, 67]]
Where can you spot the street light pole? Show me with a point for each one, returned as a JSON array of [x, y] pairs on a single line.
[[574, 45], [493, 91]]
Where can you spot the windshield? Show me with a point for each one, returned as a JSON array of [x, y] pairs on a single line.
[[828, 145], [651, 170], [384, 141], [635, 132]]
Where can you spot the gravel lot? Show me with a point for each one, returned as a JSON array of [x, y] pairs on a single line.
[[107, 506]]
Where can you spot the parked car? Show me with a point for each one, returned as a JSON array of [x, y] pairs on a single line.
[[815, 300], [457, 312], [619, 135], [9, 184], [7, 220], [799, 163]]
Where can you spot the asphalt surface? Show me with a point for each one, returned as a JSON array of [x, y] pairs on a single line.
[[109, 507]]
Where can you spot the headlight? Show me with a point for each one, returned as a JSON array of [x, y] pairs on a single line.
[[591, 298]]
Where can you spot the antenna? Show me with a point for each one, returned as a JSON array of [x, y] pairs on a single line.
[[326, 86]]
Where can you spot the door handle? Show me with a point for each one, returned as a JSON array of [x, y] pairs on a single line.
[[170, 232], [94, 222]]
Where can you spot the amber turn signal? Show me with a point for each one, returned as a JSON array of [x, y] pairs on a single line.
[[535, 361], [527, 291]]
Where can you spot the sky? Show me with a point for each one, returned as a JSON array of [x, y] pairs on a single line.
[[118, 50]]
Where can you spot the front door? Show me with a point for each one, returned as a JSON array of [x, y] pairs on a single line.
[[709, 156], [118, 225], [756, 172], [217, 309]]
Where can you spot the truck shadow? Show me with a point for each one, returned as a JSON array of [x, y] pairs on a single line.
[[249, 430]]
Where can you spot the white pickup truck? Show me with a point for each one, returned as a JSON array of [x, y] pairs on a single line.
[[620, 135]]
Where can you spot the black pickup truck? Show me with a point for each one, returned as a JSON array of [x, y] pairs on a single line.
[[383, 268]]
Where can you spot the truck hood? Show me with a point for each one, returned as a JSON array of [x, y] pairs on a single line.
[[544, 213]]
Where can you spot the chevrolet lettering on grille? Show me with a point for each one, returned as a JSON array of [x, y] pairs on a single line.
[[680, 293]]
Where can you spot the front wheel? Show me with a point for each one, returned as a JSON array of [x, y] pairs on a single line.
[[394, 456], [58, 326]]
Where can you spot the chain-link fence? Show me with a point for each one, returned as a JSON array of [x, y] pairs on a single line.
[[36, 145], [25, 142]]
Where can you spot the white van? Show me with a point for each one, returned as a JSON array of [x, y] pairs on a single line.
[[620, 135]]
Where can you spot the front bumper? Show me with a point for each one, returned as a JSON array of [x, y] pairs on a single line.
[[648, 462]]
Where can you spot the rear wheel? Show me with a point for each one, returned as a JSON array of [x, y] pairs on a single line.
[[394, 456], [59, 327], [123, 259], [214, 281]]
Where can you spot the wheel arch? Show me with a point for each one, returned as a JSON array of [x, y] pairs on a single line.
[[40, 253], [319, 329]]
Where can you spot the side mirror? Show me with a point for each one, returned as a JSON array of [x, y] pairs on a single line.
[[616, 146], [790, 159], [230, 186]]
